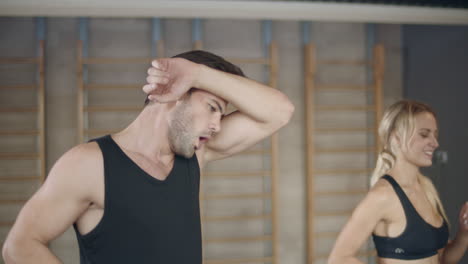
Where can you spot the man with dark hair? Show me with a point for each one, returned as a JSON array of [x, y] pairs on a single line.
[[133, 196], [209, 59]]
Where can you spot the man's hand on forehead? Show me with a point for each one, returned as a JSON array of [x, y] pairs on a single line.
[[169, 79]]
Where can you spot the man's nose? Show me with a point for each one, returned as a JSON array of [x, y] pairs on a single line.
[[215, 125]]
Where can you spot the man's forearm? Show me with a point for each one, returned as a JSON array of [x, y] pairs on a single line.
[[28, 252], [258, 101]]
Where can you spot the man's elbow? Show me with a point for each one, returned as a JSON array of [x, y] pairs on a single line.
[[8, 252], [287, 111], [334, 260], [14, 250]]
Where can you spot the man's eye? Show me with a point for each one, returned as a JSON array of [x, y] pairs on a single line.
[[212, 109]]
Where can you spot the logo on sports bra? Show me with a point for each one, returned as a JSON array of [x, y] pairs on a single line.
[[399, 251]]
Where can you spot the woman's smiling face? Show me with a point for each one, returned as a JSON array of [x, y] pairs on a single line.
[[423, 141]]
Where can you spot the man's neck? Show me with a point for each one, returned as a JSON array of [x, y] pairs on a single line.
[[147, 135]]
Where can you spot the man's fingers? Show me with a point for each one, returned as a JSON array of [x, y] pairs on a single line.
[[160, 98], [148, 88], [155, 72], [155, 64], [160, 64], [157, 80]]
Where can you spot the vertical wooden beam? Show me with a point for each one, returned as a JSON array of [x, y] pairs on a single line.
[[82, 51], [40, 35], [157, 44], [378, 63], [273, 82], [371, 82], [160, 47], [41, 101], [309, 73], [271, 52], [79, 96], [197, 34]]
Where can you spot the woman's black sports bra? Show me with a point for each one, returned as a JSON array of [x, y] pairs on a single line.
[[418, 240]]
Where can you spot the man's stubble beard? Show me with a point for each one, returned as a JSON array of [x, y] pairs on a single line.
[[181, 131]]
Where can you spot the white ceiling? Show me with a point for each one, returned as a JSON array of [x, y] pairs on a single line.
[[235, 9]]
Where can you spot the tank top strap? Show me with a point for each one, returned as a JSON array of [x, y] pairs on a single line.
[[112, 153], [106, 143], [115, 160], [405, 202]]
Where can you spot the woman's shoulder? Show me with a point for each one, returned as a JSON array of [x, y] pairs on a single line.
[[382, 193], [375, 205]]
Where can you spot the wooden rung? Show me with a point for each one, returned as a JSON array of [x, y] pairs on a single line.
[[255, 152], [343, 129], [344, 150], [19, 60], [101, 131], [326, 234], [343, 62], [345, 108], [3, 224], [19, 178], [238, 261], [12, 201], [18, 109], [19, 132], [18, 86], [235, 218], [237, 239], [264, 61], [235, 173], [18, 156], [235, 196], [103, 60], [340, 193], [113, 108], [334, 213], [96, 86], [343, 171], [342, 87]]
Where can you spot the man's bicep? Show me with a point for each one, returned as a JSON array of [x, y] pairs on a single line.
[[238, 133], [44, 217], [55, 206]]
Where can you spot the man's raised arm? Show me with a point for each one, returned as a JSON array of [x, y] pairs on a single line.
[[261, 110]]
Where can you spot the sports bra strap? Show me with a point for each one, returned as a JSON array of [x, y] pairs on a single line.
[[399, 191]]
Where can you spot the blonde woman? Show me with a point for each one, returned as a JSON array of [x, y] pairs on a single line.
[[402, 210]]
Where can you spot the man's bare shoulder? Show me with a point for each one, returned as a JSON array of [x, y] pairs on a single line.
[[86, 152], [82, 163]]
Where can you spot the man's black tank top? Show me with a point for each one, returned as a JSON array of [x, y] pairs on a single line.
[[418, 240], [145, 220]]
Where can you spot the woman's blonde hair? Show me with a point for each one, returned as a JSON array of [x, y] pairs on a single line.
[[398, 121]]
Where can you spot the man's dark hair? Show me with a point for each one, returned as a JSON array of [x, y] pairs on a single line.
[[209, 59]]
